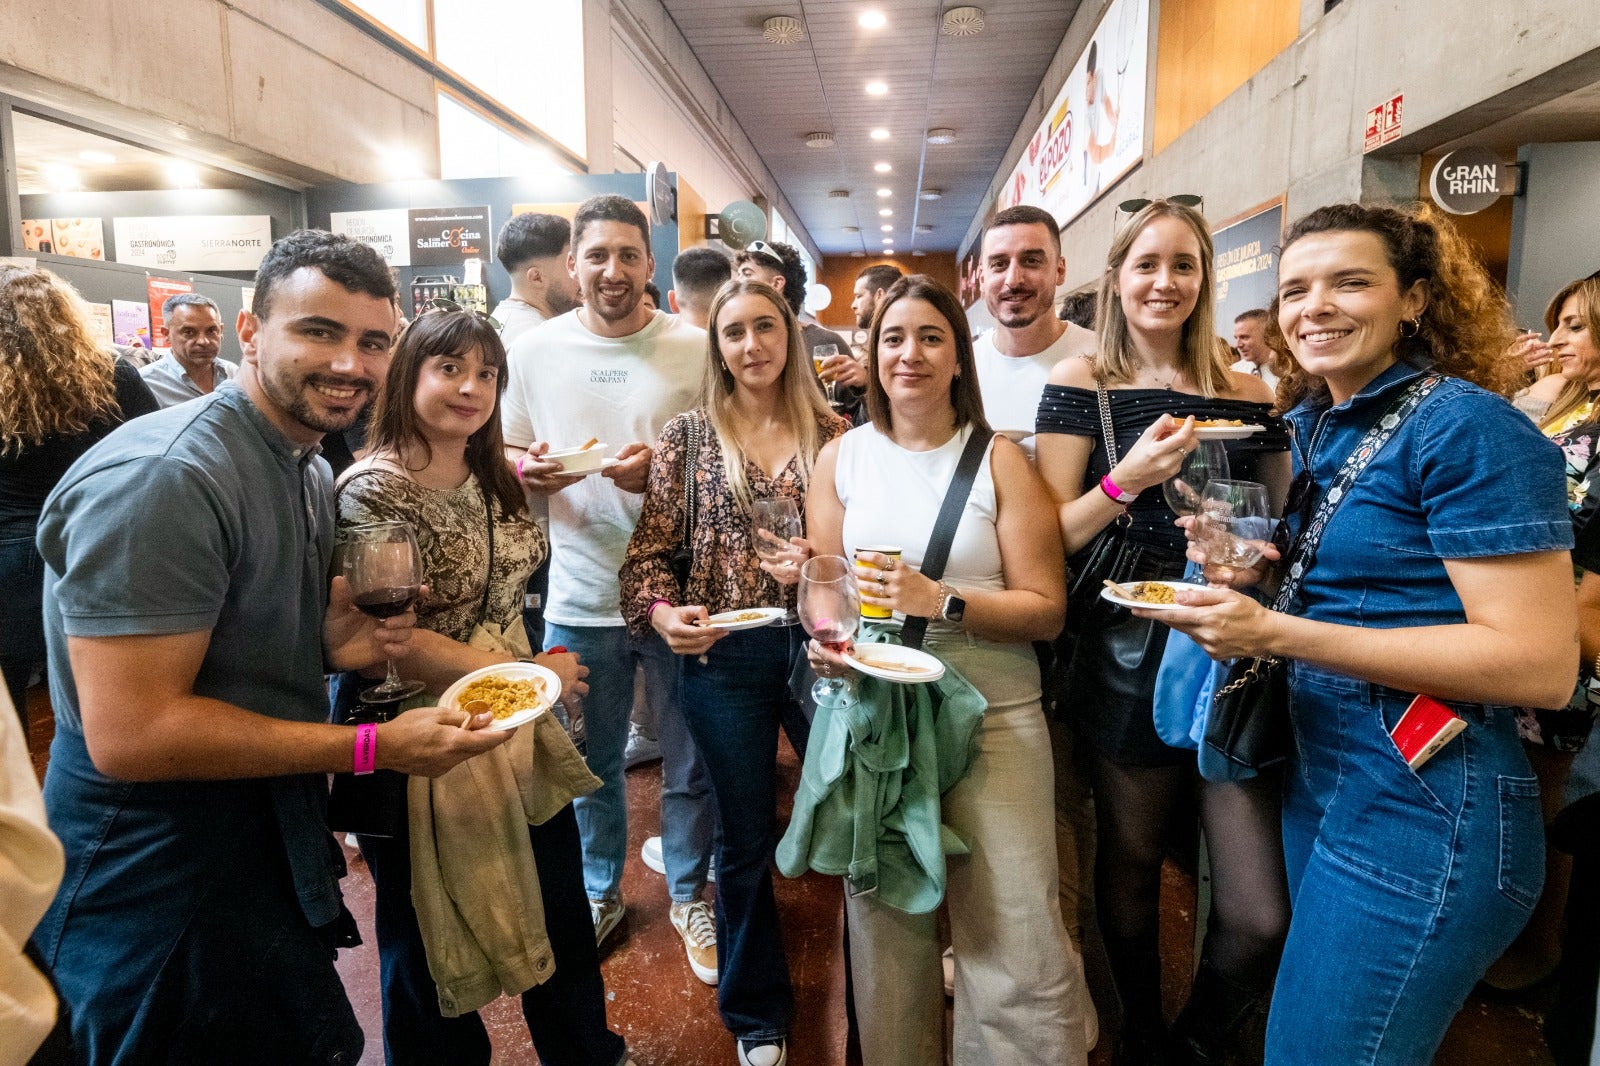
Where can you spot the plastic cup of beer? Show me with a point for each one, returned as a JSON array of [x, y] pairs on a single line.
[[872, 610]]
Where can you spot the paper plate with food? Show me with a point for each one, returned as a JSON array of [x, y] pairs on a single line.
[[1152, 595], [1225, 428], [515, 693], [587, 458], [891, 662], [746, 618]]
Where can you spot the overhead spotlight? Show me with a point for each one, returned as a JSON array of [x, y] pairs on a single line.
[[885, 212], [781, 29], [877, 88], [873, 20], [89, 155], [838, 194], [401, 165], [931, 194], [885, 191], [852, 229], [962, 22], [941, 135], [183, 176], [882, 168], [61, 178], [918, 251], [819, 139], [888, 240], [879, 134], [886, 228]]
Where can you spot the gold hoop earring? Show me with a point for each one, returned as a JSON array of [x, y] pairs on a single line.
[[1414, 323]]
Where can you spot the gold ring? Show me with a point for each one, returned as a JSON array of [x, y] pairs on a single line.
[[882, 580]]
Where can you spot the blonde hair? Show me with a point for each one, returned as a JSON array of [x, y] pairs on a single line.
[[54, 379], [802, 396], [1198, 358], [1574, 394]]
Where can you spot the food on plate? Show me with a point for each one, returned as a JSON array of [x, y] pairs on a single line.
[[1217, 423], [1154, 592], [505, 696], [889, 665], [731, 617]]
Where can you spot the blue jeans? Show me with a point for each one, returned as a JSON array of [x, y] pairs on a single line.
[[1406, 884], [22, 648], [687, 818], [566, 1014], [735, 705]]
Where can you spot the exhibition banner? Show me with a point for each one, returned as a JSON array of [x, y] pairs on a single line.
[[194, 242], [1093, 133], [448, 236], [1247, 266], [387, 231]]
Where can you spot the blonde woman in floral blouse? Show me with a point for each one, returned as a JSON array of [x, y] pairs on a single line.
[[763, 421]]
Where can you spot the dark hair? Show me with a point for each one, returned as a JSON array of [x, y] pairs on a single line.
[[1255, 314], [964, 394], [1465, 328], [188, 299], [340, 259], [609, 208], [393, 425], [1025, 215], [531, 236], [880, 276], [1094, 51], [792, 269], [654, 292], [699, 272], [1078, 308]]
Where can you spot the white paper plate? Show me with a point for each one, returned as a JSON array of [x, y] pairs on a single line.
[[731, 621], [1227, 432], [913, 666], [511, 672], [585, 461], [1123, 601]]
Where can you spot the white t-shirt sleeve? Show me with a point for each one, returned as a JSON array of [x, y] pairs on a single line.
[[516, 408]]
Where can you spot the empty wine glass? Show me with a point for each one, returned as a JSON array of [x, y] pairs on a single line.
[[1208, 462], [819, 355], [830, 609], [384, 570], [772, 523], [1233, 526]]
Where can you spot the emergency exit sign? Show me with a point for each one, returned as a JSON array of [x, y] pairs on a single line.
[[1383, 123]]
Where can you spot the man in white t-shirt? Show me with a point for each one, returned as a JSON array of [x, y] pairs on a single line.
[[533, 249], [1250, 337], [1020, 256], [615, 370]]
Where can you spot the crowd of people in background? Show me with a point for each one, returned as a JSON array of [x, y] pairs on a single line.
[[174, 562]]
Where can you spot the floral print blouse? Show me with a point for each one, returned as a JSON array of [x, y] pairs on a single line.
[[725, 574]]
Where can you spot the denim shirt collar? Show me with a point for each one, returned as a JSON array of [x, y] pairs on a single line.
[[1395, 376]]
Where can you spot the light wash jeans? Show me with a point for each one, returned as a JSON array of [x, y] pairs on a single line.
[[688, 818]]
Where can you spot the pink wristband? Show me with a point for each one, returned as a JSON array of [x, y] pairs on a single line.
[[520, 461], [366, 753], [1111, 489], [650, 610]]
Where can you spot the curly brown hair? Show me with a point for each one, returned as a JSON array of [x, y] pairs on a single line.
[[54, 379], [1466, 328]]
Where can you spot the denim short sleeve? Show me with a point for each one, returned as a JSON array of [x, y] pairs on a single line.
[[138, 547], [1491, 483]]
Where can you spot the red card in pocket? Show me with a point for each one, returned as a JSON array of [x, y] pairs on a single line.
[[1425, 727]]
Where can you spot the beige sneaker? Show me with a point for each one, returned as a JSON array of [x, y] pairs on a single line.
[[607, 915], [694, 923]]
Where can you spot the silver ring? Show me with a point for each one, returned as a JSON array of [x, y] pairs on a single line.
[[889, 565], [882, 580]]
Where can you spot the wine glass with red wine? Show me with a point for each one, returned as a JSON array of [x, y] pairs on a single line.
[[384, 570], [829, 605]]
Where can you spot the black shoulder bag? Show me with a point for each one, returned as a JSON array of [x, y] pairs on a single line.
[[1249, 720], [681, 561], [944, 527]]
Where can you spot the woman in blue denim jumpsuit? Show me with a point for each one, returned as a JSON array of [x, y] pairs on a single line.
[[1444, 570]]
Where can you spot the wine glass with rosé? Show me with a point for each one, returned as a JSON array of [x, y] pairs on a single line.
[[829, 605]]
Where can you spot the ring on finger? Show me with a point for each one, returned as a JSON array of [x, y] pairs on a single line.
[[882, 580]]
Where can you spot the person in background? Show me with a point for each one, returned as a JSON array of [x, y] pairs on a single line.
[[616, 371], [778, 265], [1017, 999], [1255, 354], [1565, 397], [187, 559], [652, 296], [1159, 363], [191, 366], [60, 393], [762, 424], [436, 461], [1078, 308], [697, 274], [533, 249], [871, 285], [1444, 571]]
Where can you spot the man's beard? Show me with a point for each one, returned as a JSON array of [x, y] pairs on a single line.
[[291, 398]]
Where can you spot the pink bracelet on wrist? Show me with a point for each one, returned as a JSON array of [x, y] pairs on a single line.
[[1111, 489], [366, 751], [651, 610], [520, 461]]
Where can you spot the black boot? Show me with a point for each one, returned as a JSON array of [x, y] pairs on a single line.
[[1136, 968], [1213, 1024]]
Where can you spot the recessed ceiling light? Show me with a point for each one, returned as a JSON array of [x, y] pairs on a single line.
[[931, 194], [873, 20], [882, 168], [183, 176], [885, 191], [941, 135], [888, 240], [819, 139], [877, 88], [89, 155], [781, 29], [886, 228], [879, 134], [885, 212], [838, 194], [62, 178]]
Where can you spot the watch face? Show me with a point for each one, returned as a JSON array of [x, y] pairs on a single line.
[[955, 608]]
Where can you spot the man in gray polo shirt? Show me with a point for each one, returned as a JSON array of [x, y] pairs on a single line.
[[187, 779], [191, 367]]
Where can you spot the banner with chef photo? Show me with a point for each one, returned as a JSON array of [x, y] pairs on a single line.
[[193, 242]]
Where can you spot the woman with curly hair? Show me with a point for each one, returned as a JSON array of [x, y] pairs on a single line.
[[1441, 568], [60, 392]]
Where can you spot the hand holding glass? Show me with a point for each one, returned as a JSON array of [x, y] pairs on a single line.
[[819, 355], [830, 609], [384, 570], [1233, 527], [1208, 462], [772, 523]]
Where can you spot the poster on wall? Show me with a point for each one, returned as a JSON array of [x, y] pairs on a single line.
[[193, 242], [1093, 132], [97, 318], [130, 323], [81, 238], [160, 290], [387, 231], [38, 235], [1247, 265], [448, 236]]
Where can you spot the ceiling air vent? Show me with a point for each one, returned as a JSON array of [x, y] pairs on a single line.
[[819, 140], [941, 135], [962, 22], [781, 29], [852, 229], [838, 194]]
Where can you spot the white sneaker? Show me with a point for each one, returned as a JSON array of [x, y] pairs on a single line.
[[607, 915], [651, 856], [640, 748], [698, 928], [763, 1052]]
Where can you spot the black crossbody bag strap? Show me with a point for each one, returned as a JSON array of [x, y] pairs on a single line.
[[944, 527]]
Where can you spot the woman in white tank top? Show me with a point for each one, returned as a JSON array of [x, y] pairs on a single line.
[[1017, 980]]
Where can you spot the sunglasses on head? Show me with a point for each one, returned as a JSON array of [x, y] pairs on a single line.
[[439, 303], [1184, 199]]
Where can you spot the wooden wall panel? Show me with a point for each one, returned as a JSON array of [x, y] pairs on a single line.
[[1205, 49]]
